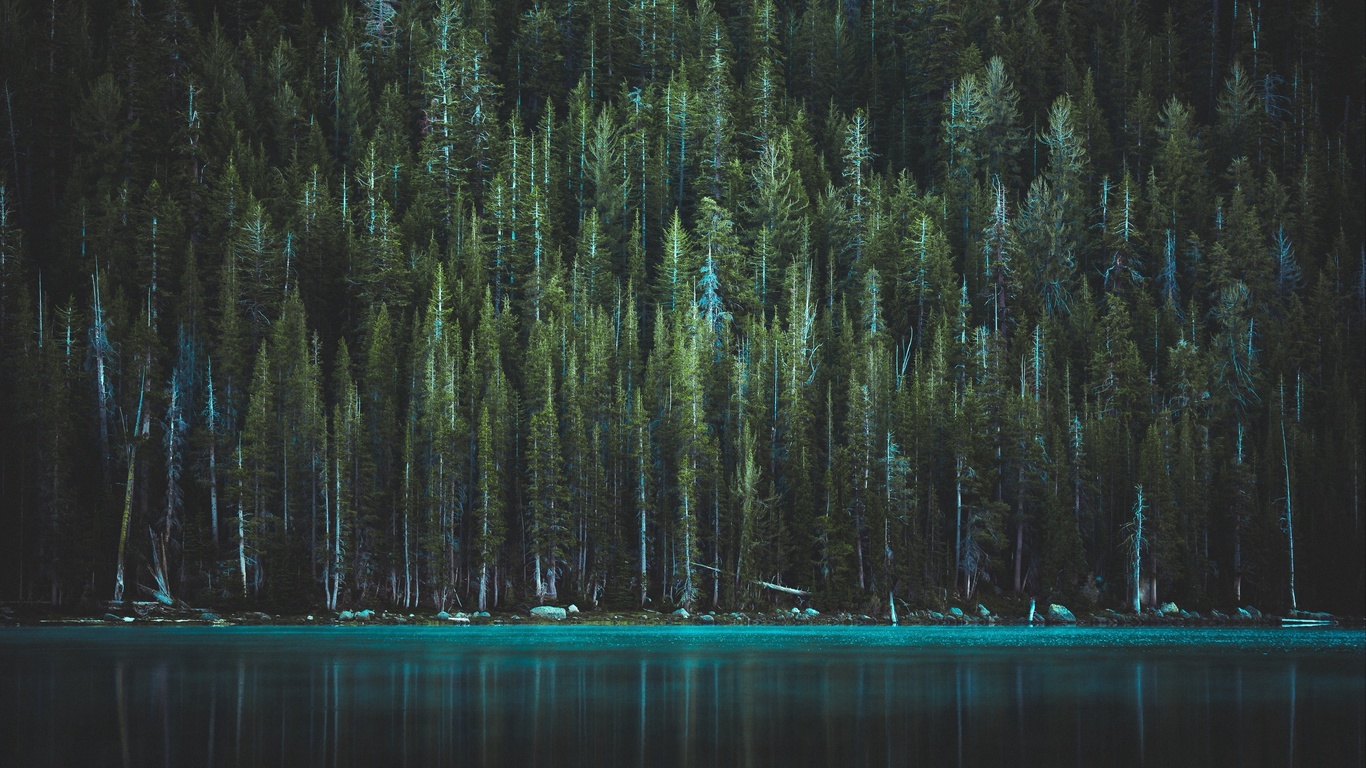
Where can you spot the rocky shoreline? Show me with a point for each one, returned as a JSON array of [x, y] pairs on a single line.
[[1169, 615]]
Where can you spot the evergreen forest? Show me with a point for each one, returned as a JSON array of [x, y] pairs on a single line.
[[426, 304]]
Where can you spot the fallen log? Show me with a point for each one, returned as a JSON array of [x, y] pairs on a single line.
[[781, 588], [1291, 622], [769, 584]]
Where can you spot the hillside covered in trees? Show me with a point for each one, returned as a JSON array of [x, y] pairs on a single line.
[[436, 303]]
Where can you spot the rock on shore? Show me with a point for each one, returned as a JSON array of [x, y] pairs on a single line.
[[1058, 614]]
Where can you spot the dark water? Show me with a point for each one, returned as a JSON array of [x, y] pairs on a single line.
[[696, 696]]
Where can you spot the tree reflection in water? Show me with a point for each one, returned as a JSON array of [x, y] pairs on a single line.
[[675, 697]]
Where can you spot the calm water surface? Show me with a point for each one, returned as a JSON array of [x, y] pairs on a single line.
[[680, 696]]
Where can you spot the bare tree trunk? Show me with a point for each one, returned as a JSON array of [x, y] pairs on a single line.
[[1289, 516], [1237, 565], [958, 521], [687, 553], [1138, 551], [644, 564], [138, 425], [241, 525], [123, 526], [284, 481], [716, 550], [858, 549], [407, 544], [336, 538], [313, 511], [540, 586], [328, 595], [1019, 552], [101, 345], [1019, 534], [213, 488]]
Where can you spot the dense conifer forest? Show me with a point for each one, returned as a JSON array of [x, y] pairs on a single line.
[[438, 303]]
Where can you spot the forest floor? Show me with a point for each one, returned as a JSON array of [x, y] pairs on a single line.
[[150, 613]]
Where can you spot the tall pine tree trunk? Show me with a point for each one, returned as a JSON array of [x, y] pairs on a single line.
[[958, 521], [213, 488], [123, 526]]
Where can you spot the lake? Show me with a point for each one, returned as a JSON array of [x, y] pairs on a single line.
[[680, 696]]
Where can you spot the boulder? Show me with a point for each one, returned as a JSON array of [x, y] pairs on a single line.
[[365, 615], [443, 616], [707, 618], [211, 616], [682, 613], [460, 615], [346, 616], [811, 612], [956, 612], [936, 615], [1256, 614], [549, 612], [983, 612], [481, 614], [1243, 614], [1217, 615], [1058, 614], [572, 608], [1169, 609]]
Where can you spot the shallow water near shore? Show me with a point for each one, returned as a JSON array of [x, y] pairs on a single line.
[[680, 696]]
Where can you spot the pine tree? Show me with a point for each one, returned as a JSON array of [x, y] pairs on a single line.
[[442, 429], [1053, 209], [441, 158], [348, 445], [258, 264], [715, 114], [488, 504], [674, 280], [1180, 196], [773, 212], [962, 156], [547, 499], [256, 481], [774, 206], [378, 522], [999, 135], [689, 425]]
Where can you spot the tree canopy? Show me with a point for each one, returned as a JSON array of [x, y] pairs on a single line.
[[626, 302]]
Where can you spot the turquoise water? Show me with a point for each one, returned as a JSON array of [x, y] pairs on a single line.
[[680, 696]]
